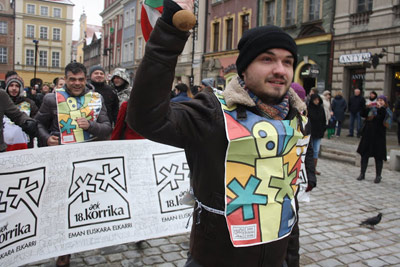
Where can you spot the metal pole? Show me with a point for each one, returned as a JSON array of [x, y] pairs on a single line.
[[194, 38], [36, 50]]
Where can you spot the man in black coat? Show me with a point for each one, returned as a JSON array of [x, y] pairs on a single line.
[[97, 79], [356, 105]]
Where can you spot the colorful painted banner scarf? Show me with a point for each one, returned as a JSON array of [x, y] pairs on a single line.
[[69, 108], [264, 166]]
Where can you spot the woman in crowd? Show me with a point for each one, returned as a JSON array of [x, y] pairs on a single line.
[[339, 106], [316, 115], [373, 137]]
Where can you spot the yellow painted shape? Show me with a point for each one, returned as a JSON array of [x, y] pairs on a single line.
[[262, 140], [239, 171], [243, 150], [270, 215]]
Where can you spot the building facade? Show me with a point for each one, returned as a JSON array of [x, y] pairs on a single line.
[[226, 23], [86, 33], [6, 38], [129, 36], [43, 38], [92, 50], [113, 22], [310, 23], [367, 47]]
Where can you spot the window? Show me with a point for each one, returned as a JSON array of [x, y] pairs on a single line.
[[3, 27], [140, 48], [42, 58], [55, 59], [216, 36], [125, 53], [270, 12], [126, 19], [30, 57], [289, 19], [3, 54], [30, 9], [44, 10], [313, 12], [245, 22], [364, 5], [229, 34], [132, 16], [30, 31], [56, 34], [130, 52], [43, 32], [57, 12]]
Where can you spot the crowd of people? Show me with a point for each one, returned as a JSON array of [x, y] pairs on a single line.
[[244, 132]]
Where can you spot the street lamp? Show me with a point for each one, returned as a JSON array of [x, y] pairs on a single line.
[[36, 50]]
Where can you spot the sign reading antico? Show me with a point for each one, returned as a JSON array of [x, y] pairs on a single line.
[[354, 58]]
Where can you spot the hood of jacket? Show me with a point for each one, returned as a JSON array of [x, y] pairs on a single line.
[[234, 94]]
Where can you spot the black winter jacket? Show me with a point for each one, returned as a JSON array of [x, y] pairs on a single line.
[[110, 99], [316, 115], [198, 126]]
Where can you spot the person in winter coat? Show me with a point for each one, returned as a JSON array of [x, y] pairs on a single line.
[[373, 138], [58, 123], [330, 120], [396, 115], [12, 112], [181, 93], [356, 105], [95, 126], [14, 136], [98, 80], [120, 82], [371, 101], [256, 115], [122, 131], [339, 106], [316, 115]]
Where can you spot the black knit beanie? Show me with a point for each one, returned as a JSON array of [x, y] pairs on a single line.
[[94, 68], [258, 40]]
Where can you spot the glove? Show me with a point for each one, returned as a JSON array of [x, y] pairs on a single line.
[[179, 13], [30, 127]]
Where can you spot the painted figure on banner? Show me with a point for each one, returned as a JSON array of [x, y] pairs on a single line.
[[246, 147]]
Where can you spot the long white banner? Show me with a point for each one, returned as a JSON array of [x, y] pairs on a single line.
[[70, 198]]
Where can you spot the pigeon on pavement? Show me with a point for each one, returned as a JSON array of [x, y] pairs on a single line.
[[371, 222]]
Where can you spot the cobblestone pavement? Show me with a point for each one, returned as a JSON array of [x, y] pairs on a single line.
[[329, 227]]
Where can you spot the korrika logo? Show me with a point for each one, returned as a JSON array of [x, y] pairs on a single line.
[[19, 205], [98, 192], [172, 177]]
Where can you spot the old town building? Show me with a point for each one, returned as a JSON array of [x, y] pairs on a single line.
[[43, 38], [367, 47], [6, 38]]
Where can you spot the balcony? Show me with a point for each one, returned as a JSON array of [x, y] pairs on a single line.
[[360, 18]]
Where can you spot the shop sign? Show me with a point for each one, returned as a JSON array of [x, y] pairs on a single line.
[[355, 58]]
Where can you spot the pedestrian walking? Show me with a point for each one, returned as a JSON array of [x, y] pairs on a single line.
[[330, 119], [356, 105], [235, 138], [339, 106], [373, 137], [316, 115]]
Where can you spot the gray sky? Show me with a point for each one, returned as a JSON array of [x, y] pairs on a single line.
[[92, 9]]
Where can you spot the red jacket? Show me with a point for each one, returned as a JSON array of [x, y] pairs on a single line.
[[121, 130]]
